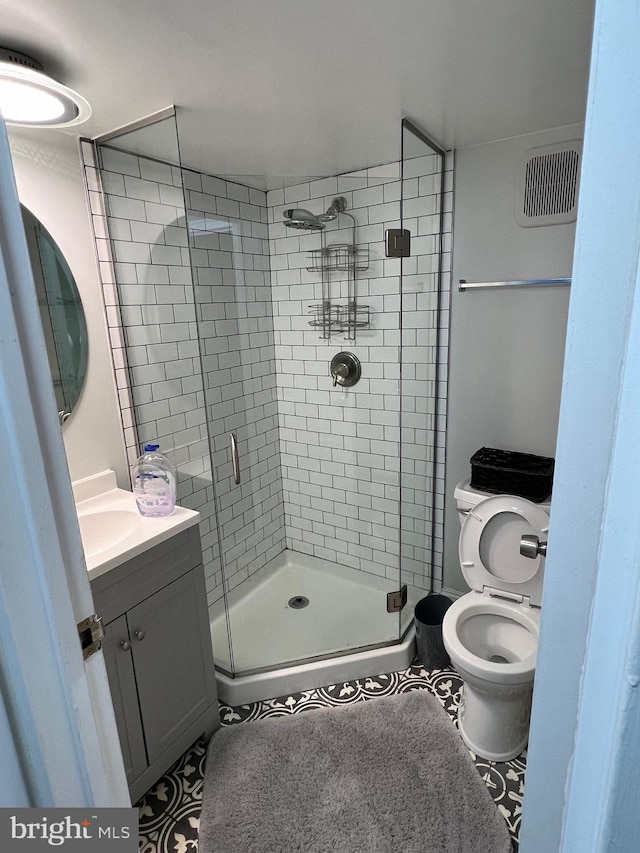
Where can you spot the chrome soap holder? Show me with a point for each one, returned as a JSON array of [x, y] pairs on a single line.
[[339, 318], [339, 256]]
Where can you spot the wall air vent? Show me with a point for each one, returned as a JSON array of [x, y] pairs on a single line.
[[547, 189]]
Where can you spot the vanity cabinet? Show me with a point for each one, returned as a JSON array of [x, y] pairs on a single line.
[[157, 651]]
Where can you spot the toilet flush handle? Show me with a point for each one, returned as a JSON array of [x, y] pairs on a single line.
[[531, 546]]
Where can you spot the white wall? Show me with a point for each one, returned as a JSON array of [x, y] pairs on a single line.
[[49, 179], [506, 345]]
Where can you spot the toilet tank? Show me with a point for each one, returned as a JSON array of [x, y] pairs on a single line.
[[467, 497]]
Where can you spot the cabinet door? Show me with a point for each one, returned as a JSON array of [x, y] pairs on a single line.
[[173, 660], [122, 683]]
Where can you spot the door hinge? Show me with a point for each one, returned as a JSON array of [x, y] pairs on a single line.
[[91, 635], [398, 242], [396, 600]]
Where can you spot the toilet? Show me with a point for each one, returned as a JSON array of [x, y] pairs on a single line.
[[491, 633]]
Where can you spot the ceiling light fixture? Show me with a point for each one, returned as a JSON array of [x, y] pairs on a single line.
[[30, 98]]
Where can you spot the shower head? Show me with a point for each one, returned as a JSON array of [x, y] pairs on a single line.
[[303, 220]]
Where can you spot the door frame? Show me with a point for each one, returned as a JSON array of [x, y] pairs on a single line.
[[582, 772]]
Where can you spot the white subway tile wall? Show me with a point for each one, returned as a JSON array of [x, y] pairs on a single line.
[[345, 488], [214, 304], [96, 203]]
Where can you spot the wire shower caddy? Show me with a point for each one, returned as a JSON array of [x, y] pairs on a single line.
[[334, 317]]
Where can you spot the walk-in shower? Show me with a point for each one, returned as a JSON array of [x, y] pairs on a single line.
[[321, 502]]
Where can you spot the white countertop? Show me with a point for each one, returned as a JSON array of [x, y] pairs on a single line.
[[112, 529]]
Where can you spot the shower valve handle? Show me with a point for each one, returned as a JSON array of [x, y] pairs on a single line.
[[340, 372]]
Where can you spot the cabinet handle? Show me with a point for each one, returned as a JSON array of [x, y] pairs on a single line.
[[139, 635], [126, 645], [234, 458]]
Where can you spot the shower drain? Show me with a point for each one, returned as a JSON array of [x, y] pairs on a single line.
[[298, 602]]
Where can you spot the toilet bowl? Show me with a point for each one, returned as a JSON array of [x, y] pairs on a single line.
[[491, 633]]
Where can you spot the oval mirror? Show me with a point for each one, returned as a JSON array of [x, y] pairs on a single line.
[[63, 321]]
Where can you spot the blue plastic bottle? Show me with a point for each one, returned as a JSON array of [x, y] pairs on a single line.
[[154, 483]]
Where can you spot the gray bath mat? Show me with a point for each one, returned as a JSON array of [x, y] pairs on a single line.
[[389, 775]]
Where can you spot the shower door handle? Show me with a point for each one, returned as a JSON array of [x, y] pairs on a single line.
[[235, 461]]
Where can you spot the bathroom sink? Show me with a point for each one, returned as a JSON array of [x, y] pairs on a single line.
[[112, 529], [104, 529]]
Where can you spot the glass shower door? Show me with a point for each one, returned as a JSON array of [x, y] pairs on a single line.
[[422, 415], [152, 318], [228, 240]]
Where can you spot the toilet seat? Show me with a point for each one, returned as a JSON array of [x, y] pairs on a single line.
[[489, 548]]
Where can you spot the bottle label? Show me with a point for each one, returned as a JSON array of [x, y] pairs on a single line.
[[151, 491], [152, 500]]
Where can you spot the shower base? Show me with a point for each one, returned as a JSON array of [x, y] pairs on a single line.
[[281, 644]]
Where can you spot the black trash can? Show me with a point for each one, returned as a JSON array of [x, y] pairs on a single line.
[[428, 617]]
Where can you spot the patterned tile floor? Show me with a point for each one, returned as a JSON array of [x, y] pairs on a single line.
[[170, 811]]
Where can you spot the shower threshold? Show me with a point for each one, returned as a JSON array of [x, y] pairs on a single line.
[[301, 622]]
